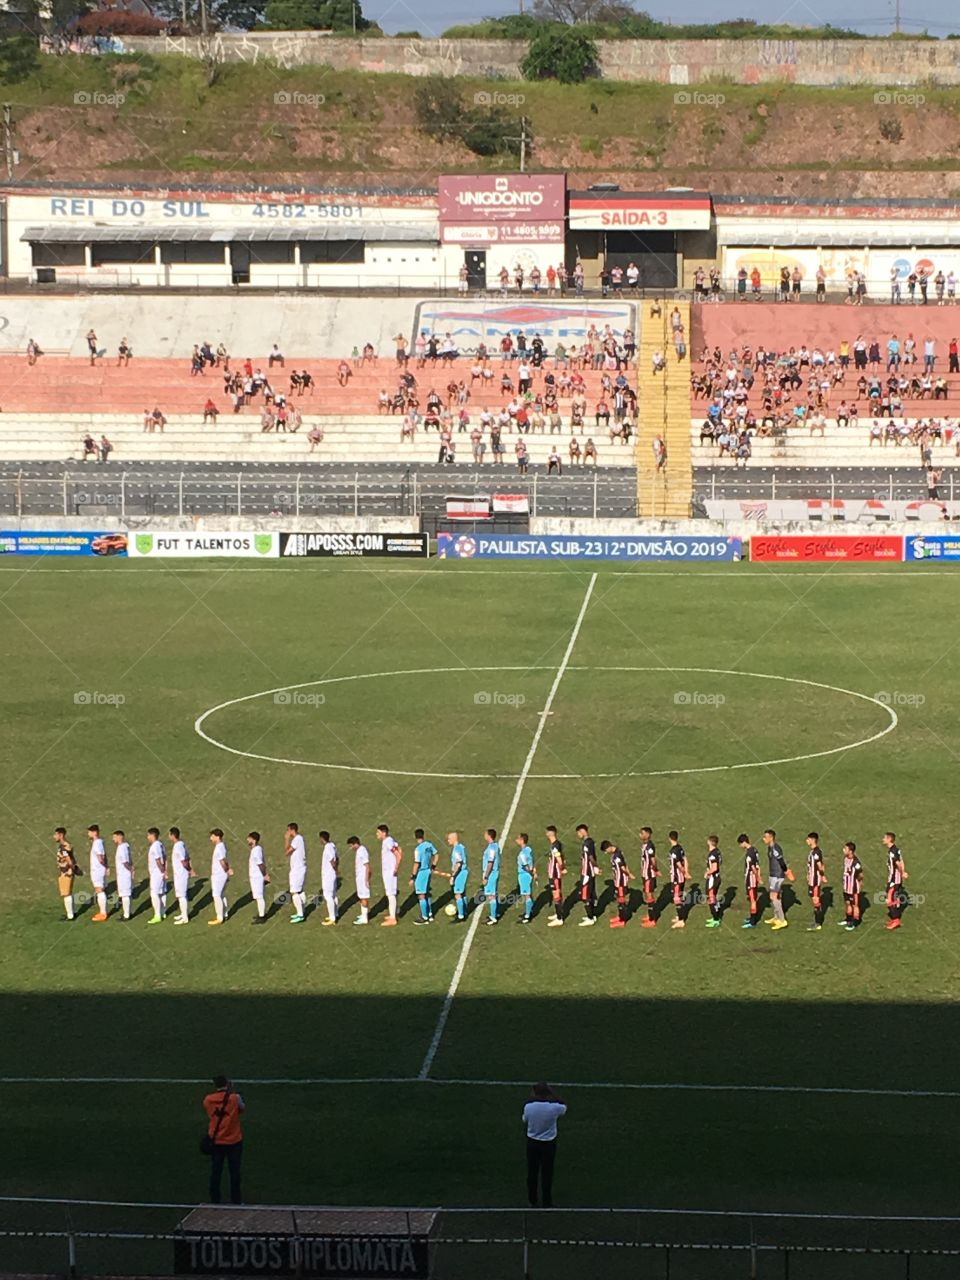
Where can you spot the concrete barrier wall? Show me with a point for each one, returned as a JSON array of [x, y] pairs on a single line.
[[554, 526], [212, 524], [673, 62]]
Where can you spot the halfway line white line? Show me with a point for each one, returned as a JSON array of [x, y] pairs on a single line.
[[504, 830]]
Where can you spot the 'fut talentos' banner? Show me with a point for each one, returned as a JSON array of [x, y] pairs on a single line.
[[393, 545]]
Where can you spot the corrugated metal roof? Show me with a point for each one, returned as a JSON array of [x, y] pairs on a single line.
[[374, 233]]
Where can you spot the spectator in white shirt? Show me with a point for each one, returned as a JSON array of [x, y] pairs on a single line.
[[540, 1115]]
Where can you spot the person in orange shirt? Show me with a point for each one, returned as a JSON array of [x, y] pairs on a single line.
[[224, 1107]]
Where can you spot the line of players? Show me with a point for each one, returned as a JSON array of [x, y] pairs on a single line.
[[178, 867]]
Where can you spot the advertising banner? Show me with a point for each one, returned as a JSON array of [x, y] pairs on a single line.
[[623, 211], [523, 546], [379, 545], [193, 545], [830, 510], [470, 322], [261, 1254], [63, 543], [938, 546], [793, 548], [505, 198]]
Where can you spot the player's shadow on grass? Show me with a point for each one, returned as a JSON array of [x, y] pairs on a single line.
[[141, 904]]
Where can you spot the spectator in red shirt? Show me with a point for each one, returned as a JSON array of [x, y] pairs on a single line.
[[224, 1107], [210, 412]]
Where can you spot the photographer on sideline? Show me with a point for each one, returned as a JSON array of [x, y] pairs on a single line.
[[225, 1137], [540, 1116]]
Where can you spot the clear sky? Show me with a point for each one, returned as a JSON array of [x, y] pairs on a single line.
[[874, 17]]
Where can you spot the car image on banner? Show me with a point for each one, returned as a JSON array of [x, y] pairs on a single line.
[[527, 546]]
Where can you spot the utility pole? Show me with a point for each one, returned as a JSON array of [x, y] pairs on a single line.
[[8, 137], [897, 19], [523, 138]]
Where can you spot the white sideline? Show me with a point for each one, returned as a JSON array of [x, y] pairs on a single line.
[[504, 830], [643, 1086]]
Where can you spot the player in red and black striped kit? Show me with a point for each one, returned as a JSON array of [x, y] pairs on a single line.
[[816, 879], [555, 870], [648, 874], [679, 874], [622, 875], [896, 874], [712, 882], [752, 881], [589, 871]]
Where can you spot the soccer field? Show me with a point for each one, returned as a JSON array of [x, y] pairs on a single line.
[[702, 1068]]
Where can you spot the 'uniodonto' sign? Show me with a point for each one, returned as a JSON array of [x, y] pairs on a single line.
[[513, 197]]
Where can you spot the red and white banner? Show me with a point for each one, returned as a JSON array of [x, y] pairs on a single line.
[[503, 233], [513, 502], [510, 197], [824, 549], [622, 211], [468, 508]]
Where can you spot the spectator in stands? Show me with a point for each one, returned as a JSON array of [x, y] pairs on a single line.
[[659, 453], [222, 359], [555, 463], [929, 354], [523, 456], [876, 434], [934, 476], [895, 290], [589, 451], [33, 351], [756, 284], [105, 449], [123, 353], [207, 352], [88, 448], [315, 436], [275, 357], [196, 362], [210, 412], [940, 388], [92, 346], [344, 373], [573, 449], [658, 361]]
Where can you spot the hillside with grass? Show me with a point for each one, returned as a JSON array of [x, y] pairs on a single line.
[[152, 119]]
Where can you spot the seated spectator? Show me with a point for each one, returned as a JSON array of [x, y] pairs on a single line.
[[554, 463], [210, 412], [658, 362], [574, 449], [344, 373], [267, 419], [589, 451], [369, 354], [275, 357], [315, 436], [940, 388], [876, 434], [124, 353], [222, 359], [88, 448]]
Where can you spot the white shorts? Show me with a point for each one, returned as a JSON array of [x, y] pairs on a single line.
[[390, 882], [297, 881], [218, 884], [257, 886], [362, 890], [329, 886], [125, 886], [181, 885], [98, 886], [158, 886]]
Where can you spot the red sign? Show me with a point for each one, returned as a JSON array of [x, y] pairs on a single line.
[[511, 502], [623, 211], [825, 549], [513, 197]]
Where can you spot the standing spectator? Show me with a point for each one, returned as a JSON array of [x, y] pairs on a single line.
[[225, 1137], [92, 346], [578, 278], [895, 289], [105, 448], [463, 278], [934, 476], [540, 1115], [821, 284], [33, 351]]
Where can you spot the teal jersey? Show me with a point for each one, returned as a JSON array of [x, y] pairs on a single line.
[[491, 860], [525, 860], [458, 859], [424, 854]]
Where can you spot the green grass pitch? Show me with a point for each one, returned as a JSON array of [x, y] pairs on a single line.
[[830, 1011]]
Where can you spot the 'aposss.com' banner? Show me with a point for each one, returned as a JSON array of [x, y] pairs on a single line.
[[529, 546], [382, 545]]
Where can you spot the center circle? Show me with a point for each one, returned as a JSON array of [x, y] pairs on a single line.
[[686, 703]]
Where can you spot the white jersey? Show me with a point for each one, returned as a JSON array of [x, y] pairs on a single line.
[[329, 872], [98, 870], [255, 871], [298, 863], [124, 864], [181, 876], [156, 860], [218, 877], [388, 863], [362, 865]]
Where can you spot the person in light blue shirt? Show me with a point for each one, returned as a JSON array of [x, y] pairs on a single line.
[[424, 861], [458, 875], [526, 875], [491, 872]]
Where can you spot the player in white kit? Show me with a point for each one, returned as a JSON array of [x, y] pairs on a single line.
[[124, 863], [99, 872], [330, 869], [390, 855], [182, 871], [220, 873], [157, 866], [258, 875], [361, 864], [296, 851]]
